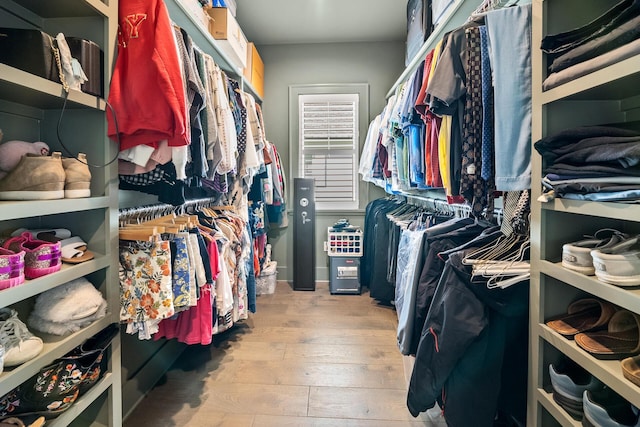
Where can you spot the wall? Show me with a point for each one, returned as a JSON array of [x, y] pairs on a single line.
[[377, 64]]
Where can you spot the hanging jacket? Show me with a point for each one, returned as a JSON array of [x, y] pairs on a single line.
[[461, 353]]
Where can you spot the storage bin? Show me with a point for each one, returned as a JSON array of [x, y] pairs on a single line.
[[254, 71], [231, 39], [267, 280]]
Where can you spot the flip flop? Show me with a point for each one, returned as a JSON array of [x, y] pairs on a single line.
[[583, 315], [631, 369], [620, 340]]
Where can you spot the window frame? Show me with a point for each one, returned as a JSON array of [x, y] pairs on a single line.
[[295, 143]]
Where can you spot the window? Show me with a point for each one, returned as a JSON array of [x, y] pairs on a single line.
[[328, 147]]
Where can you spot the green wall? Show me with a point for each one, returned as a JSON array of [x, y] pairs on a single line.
[[376, 64]]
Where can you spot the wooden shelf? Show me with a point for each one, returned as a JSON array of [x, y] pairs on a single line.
[[83, 402], [612, 82], [622, 211], [65, 8], [67, 273], [562, 416], [54, 348], [32, 208], [607, 371], [628, 298], [24, 88]]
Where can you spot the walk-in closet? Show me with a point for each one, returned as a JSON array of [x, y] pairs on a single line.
[[319, 213]]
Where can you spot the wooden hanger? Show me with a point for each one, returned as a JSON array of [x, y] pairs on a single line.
[[143, 234]]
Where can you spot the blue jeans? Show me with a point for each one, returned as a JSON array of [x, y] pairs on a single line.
[[509, 31]]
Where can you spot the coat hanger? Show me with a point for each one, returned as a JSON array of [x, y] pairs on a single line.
[[142, 234]]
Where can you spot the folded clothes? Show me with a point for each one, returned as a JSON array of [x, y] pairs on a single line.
[[553, 146], [612, 18], [598, 63], [619, 36]]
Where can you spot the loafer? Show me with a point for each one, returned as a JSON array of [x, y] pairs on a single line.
[[619, 264], [606, 408], [569, 382]]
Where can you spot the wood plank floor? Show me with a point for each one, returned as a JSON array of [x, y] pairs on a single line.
[[305, 359]]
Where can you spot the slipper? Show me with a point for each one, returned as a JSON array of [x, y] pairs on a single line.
[[622, 338], [631, 369], [73, 249], [583, 315], [60, 233]]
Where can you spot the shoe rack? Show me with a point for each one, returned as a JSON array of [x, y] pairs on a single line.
[[610, 96], [30, 107]]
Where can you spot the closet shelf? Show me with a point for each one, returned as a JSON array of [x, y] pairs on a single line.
[[612, 83], [82, 403], [65, 8], [201, 36], [68, 272], [54, 348], [621, 211], [28, 89], [607, 371], [556, 410], [36, 208], [628, 298], [456, 15]]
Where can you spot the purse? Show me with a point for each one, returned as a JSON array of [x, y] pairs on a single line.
[[30, 51]]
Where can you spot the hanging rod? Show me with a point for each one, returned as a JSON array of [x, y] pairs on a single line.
[[160, 209]]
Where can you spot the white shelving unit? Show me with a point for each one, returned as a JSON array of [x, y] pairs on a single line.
[[29, 110], [606, 96]]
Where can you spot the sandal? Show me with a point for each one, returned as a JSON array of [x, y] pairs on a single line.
[[73, 249], [583, 315], [620, 340]]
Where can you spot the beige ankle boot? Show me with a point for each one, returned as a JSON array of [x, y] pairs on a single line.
[[78, 177], [34, 178]]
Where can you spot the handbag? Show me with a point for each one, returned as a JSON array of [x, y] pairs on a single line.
[[29, 50]]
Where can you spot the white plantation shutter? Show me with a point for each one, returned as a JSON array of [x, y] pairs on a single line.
[[329, 148]]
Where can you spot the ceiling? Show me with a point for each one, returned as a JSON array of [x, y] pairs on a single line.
[[267, 22]]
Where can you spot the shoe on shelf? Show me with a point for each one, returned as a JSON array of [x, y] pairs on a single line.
[[620, 340], [631, 369], [18, 422], [619, 264], [11, 268], [569, 382], [34, 178], [606, 408], [19, 343], [576, 256], [585, 314], [41, 257], [77, 181]]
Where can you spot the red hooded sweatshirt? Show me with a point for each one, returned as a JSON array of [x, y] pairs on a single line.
[[147, 89]]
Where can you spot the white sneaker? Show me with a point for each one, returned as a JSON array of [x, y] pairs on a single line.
[[576, 256], [19, 344], [619, 264]]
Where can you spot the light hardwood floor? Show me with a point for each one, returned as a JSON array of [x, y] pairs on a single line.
[[304, 359]]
